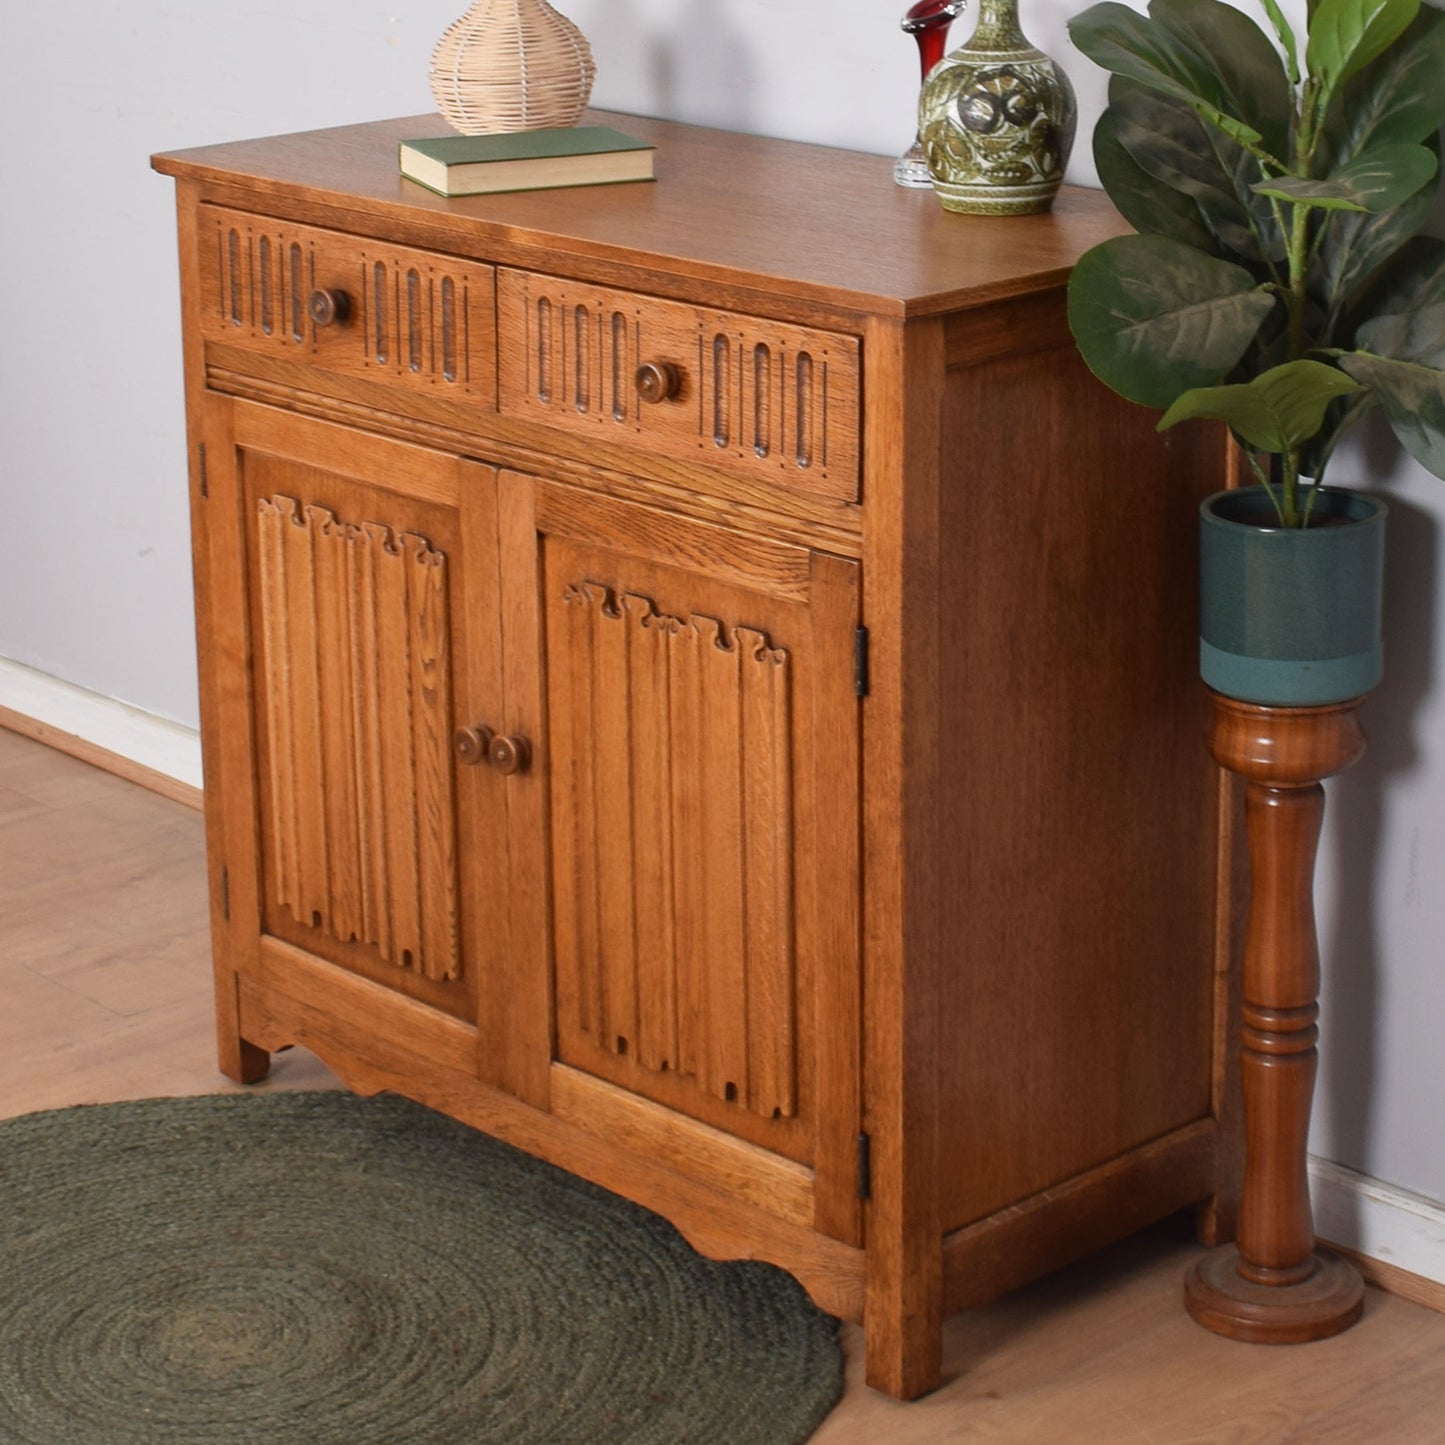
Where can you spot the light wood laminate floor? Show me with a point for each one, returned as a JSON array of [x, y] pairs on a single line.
[[105, 994]]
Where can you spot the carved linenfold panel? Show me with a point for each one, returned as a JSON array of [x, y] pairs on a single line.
[[411, 316], [356, 678], [757, 398], [672, 799]]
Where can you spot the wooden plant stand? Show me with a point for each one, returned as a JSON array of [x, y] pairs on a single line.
[[1273, 1286]]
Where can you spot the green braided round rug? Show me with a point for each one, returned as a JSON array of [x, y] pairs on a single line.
[[344, 1271]]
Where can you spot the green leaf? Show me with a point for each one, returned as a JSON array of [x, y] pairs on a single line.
[[1413, 398], [1145, 202], [1379, 180], [1346, 35], [1415, 280], [1166, 140], [1131, 45], [1398, 99], [1286, 39], [1360, 251], [1249, 75], [1152, 317], [1279, 411], [1416, 335]]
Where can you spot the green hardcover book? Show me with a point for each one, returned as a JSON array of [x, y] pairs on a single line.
[[526, 160]]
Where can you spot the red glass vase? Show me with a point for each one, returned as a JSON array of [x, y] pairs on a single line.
[[927, 22]]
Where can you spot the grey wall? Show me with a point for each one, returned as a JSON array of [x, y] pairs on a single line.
[[92, 454], [94, 588]]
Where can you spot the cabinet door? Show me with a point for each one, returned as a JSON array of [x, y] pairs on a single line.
[[352, 614], [691, 829]]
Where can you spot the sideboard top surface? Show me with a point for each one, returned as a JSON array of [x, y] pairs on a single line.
[[727, 208]]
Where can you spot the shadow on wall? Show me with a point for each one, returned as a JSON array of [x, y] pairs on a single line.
[[1358, 823]]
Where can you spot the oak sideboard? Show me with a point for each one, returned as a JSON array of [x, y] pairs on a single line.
[[700, 683]]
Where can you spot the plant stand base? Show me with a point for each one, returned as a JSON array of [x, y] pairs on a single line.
[[1326, 1302]]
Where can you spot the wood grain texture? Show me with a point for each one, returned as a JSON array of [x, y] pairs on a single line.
[[610, 469], [331, 992], [715, 1222], [754, 397], [757, 563], [1273, 1287], [684, 774], [983, 1260], [356, 677], [103, 758], [227, 754], [352, 613], [518, 1020], [416, 319], [902, 859], [730, 690], [743, 216], [1218, 1216], [741, 1169], [104, 944], [228, 725], [1080, 862], [938, 934], [1390, 1278]]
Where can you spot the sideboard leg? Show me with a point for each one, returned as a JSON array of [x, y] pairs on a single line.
[[903, 1321], [245, 1062], [239, 1058]]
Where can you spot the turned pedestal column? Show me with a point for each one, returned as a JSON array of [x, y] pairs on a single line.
[[1272, 1286]]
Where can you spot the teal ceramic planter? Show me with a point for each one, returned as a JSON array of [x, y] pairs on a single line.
[[1290, 617]]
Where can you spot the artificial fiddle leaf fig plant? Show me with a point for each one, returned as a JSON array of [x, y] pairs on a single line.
[[1279, 280]]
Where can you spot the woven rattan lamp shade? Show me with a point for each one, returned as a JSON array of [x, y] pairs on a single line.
[[511, 65]]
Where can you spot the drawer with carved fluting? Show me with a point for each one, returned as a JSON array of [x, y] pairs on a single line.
[[759, 399], [351, 304]]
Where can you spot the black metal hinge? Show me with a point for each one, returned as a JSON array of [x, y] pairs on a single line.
[[860, 662], [201, 464], [865, 1167], [226, 894]]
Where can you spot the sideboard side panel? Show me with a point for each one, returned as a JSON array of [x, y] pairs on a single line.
[[1078, 836]]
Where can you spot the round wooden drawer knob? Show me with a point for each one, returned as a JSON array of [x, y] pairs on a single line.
[[509, 755], [657, 381], [328, 308], [471, 744]]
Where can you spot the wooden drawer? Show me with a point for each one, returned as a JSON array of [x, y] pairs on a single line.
[[760, 399], [412, 317]]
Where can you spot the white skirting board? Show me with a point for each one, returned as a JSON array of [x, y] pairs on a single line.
[[1361, 1214], [153, 742], [1378, 1220]]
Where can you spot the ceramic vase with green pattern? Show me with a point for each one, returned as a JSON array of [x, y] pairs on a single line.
[[997, 120], [1291, 616]]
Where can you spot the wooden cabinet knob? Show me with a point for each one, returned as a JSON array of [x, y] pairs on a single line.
[[471, 744], [328, 308], [481, 745], [509, 755], [657, 381]]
